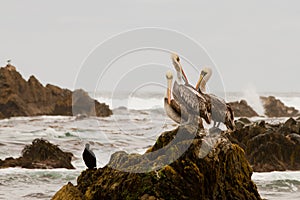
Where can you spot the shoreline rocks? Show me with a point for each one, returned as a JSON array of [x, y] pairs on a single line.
[[272, 108], [275, 108], [41, 154], [200, 172], [242, 109], [269, 147], [19, 97]]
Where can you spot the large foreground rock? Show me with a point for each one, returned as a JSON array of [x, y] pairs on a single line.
[[209, 168], [41, 154], [242, 109], [19, 97], [269, 147], [275, 108]]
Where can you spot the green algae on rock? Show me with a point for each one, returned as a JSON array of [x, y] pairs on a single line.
[[219, 172]]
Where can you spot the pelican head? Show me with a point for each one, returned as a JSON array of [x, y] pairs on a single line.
[[176, 62], [207, 71], [204, 77], [177, 65], [169, 76]]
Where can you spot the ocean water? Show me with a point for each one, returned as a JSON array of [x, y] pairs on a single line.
[[137, 122]]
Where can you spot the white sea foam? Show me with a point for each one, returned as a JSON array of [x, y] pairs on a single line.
[[276, 175], [137, 103], [278, 185], [253, 99]]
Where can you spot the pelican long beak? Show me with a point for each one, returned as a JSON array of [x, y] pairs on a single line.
[[202, 75], [183, 75], [169, 77], [169, 90], [178, 67], [199, 81]]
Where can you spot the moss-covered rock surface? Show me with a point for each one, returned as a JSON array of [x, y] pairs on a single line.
[[179, 165]]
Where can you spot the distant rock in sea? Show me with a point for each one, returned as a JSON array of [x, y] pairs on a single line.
[[19, 97], [200, 172], [272, 108], [269, 147], [41, 154], [275, 108], [242, 109]]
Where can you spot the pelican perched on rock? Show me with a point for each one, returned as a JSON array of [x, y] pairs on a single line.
[[172, 108], [187, 96], [220, 110]]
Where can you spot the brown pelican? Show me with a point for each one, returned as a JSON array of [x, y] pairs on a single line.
[[172, 108], [89, 157], [187, 96], [220, 110]]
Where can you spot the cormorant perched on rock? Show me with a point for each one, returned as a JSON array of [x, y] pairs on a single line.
[[89, 157]]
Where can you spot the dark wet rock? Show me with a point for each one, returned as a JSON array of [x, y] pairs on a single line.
[[275, 108], [245, 120], [242, 109], [294, 137], [68, 192], [208, 168], [41, 154], [270, 147], [240, 123], [19, 97]]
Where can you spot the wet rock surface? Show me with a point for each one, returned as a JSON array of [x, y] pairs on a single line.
[[178, 166], [41, 154], [19, 97], [269, 147], [242, 109], [275, 108]]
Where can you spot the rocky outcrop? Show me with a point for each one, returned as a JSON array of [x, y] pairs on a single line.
[[41, 154], [269, 147], [275, 108], [242, 109], [68, 192], [207, 168], [19, 97]]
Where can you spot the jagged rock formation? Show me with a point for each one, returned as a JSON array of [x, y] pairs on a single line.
[[275, 108], [200, 172], [242, 109], [41, 154], [269, 147], [19, 97]]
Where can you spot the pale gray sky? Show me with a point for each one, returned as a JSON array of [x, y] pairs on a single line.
[[253, 43]]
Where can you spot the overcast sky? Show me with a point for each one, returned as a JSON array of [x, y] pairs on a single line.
[[254, 44]]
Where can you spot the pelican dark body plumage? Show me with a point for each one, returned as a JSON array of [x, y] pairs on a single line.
[[221, 112], [192, 100]]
